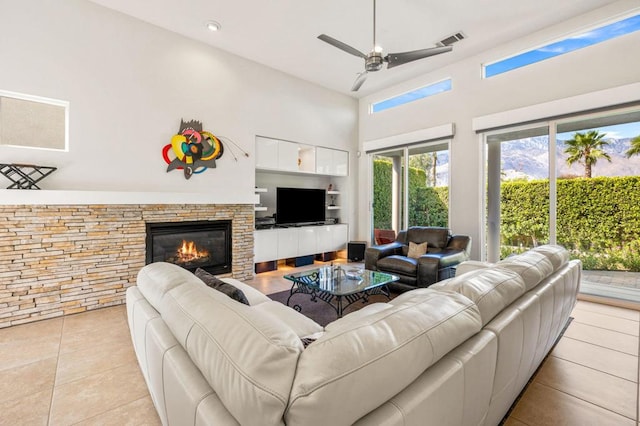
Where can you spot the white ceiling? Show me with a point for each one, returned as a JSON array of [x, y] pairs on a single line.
[[282, 34]]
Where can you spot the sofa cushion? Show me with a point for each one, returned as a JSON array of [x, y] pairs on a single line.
[[471, 265], [491, 289], [557, 255], [247, 356], [416, 250], [356, 317], [217, 284], [300, 324], [396, 264], [371, 360], [533, 267]]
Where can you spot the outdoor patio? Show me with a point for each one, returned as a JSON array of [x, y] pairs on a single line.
[[612, 284]]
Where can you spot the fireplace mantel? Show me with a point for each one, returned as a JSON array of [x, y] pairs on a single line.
[[58, 197]]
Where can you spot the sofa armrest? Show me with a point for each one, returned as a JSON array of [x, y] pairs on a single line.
[[460, 242], [375, 253], [428, 266]]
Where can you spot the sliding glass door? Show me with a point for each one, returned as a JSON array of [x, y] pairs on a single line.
[[574, 182], [428, 183], [410, 188], [518, 190], [388, 190]]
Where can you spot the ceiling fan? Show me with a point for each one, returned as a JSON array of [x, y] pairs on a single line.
[[375, 59]]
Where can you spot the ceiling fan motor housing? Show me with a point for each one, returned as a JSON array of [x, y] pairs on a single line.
[[374, 61]]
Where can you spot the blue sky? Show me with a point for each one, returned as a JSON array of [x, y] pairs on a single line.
[[414, 95], [619, 131], [561, 47]]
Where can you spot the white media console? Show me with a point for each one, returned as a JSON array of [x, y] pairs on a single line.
[[285, 243]]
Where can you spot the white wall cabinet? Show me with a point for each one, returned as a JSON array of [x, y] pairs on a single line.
[[266, 153], [324, 159], [284, 243], [285, 156], [332, 162], [341, 162]]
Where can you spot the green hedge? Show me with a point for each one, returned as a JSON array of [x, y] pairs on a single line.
[[597, 218], [427, 206]]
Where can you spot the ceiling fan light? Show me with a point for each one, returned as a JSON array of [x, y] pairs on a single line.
[[377, 49], [213, 26]]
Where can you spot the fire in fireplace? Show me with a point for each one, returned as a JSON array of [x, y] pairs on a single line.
[[192, 245]]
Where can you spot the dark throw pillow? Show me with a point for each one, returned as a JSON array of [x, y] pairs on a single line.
[[217, 284]]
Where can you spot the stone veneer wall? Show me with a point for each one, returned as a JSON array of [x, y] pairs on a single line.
[[63, 259]]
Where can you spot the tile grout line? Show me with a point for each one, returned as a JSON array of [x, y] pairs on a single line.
[[638, 387], [604, 347], [586, 309], [607, 329], [55, 376], [581, 399]]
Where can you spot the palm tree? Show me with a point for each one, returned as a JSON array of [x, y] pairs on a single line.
[[635, 147], [586, 148]]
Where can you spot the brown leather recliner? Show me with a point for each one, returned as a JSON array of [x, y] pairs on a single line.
[[444, 252]]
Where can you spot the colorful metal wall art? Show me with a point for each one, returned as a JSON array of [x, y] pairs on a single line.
[[195, 150]]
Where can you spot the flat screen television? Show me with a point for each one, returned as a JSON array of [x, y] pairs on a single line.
[[300, 205]]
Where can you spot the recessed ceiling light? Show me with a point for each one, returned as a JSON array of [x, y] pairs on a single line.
[[213, 26]]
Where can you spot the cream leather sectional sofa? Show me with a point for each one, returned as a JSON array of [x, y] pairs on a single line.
[[456, 353]]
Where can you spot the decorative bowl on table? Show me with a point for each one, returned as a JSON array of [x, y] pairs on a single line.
[[354, 273]]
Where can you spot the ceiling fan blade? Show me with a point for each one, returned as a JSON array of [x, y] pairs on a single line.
[[359, 80], [342, 46], [395, 59]]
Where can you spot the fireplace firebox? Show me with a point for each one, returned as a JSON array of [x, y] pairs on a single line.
[[192, 245]]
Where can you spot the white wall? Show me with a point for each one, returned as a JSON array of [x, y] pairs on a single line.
[[129, 83], [610, 64]]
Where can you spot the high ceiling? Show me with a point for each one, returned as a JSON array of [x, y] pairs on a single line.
[[282, 34]]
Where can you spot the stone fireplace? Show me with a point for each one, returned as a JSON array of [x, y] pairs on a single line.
[[62, 259], [192, 244]]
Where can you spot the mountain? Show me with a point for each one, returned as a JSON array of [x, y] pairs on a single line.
[[529, 158]]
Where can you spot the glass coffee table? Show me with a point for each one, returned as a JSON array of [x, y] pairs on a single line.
[[339, 286]]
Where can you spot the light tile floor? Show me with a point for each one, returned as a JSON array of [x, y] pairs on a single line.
[[81, 370]]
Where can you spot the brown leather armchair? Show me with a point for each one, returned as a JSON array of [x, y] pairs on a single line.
[[444, 252]]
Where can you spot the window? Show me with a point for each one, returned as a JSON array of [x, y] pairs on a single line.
[[414, 95], [33, 122], [588, 38]]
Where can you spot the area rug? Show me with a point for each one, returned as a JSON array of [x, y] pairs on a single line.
[[320, 311]]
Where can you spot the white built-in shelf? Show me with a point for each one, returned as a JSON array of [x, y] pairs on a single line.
[[259, 208], [333, 207]]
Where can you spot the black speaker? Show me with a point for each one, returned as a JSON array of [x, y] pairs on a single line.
[[355, 250]]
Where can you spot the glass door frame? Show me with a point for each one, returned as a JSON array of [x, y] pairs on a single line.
[[492, 182], [403, 218], [488, 252]]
